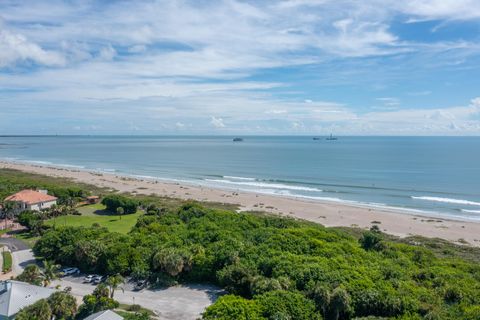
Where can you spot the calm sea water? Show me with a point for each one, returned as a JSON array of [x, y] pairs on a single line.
[[433, 175]]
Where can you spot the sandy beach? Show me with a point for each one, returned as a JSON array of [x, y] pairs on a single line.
[[328, 214]]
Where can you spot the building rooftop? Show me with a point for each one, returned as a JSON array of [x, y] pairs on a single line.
[[30, 197], [16, 295], [104, 315]]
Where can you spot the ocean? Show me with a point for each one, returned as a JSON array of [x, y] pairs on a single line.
[[438, 176]]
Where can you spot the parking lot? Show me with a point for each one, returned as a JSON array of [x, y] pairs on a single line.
[[179, 302]]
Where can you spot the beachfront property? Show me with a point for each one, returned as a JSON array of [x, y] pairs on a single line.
[[32, 200], [104, 315], [16, 295]]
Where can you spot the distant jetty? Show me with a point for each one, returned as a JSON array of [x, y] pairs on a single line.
[[237, 139]]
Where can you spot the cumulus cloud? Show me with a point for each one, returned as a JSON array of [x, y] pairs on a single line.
[[17, 48], [264, 66]]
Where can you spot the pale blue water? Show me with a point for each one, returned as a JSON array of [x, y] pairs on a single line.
[[436, 175]]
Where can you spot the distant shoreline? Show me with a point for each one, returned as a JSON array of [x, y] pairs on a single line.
[[394, 221]]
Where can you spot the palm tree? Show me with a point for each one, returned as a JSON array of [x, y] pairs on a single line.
[[63, 305], [31, 274], [339, 303], [114, 282], [50, 272], [120, 212], [9, 209]]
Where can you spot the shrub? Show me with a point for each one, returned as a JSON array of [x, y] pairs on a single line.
[[7, 261], [234, 307], [115, 201], [286, 305]]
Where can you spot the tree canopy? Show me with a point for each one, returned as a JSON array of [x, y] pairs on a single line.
[[276, 268]]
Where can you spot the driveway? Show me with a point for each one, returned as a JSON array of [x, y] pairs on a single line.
[[14, 244], [21, 259], [179, 302]]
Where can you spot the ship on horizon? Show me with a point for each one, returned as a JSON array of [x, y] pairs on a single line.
[[331, 137]]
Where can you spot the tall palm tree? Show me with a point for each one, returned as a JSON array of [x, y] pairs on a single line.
[[9, 209], [339, 303], [114, 282], [50, 272]]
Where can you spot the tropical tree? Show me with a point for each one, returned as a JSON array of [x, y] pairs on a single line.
[[169, 260], [321, 296], [31, 274], [234, 307], [63, 305], [339, 303], [9, 209], [97, 301], [40, 310], [50, 272], [114, 282], [120, 212]]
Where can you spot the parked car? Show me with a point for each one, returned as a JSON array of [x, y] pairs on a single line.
[[98, 279], [75, 271], [69, 271], [141, 284], [89, 278]]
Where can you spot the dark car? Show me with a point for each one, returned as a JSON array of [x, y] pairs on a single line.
[[141, 284]]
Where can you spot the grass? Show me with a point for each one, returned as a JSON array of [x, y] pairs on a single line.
[[27, 238], [3, 231], [96, 213], [125, 309], [7, 261]]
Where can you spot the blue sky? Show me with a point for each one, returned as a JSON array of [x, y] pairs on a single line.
[[373, 67]]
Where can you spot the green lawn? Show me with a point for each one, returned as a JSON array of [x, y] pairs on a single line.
[[27, 238], [96, 213], [7, 261]]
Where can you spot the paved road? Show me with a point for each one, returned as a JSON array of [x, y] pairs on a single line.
[[14, 244], [180, 302], [21, 259]]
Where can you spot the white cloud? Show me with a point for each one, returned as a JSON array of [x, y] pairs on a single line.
[[17, 48], [107, 53], [217, 122], [441, 9], [179, 125], [177, 61]]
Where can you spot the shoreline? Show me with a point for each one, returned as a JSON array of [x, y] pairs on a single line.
[[327, 213]]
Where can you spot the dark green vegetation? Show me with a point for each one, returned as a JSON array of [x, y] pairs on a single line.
[[273, 268], [114, 202], [277, 268], [60, 305], [7, 261]]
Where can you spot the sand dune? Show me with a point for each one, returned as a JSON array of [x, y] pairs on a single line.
[[326, 213]]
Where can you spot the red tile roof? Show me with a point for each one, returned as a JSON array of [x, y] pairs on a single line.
[[30, 197]]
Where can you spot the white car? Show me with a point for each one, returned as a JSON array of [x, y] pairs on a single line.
[[89, 278], [98, 279]]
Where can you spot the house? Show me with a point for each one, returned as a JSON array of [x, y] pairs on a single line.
[[93, 199], [16, 295], [32, 200], [104, 315]]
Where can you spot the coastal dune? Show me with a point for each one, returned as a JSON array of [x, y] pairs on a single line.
[[326, 213]]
